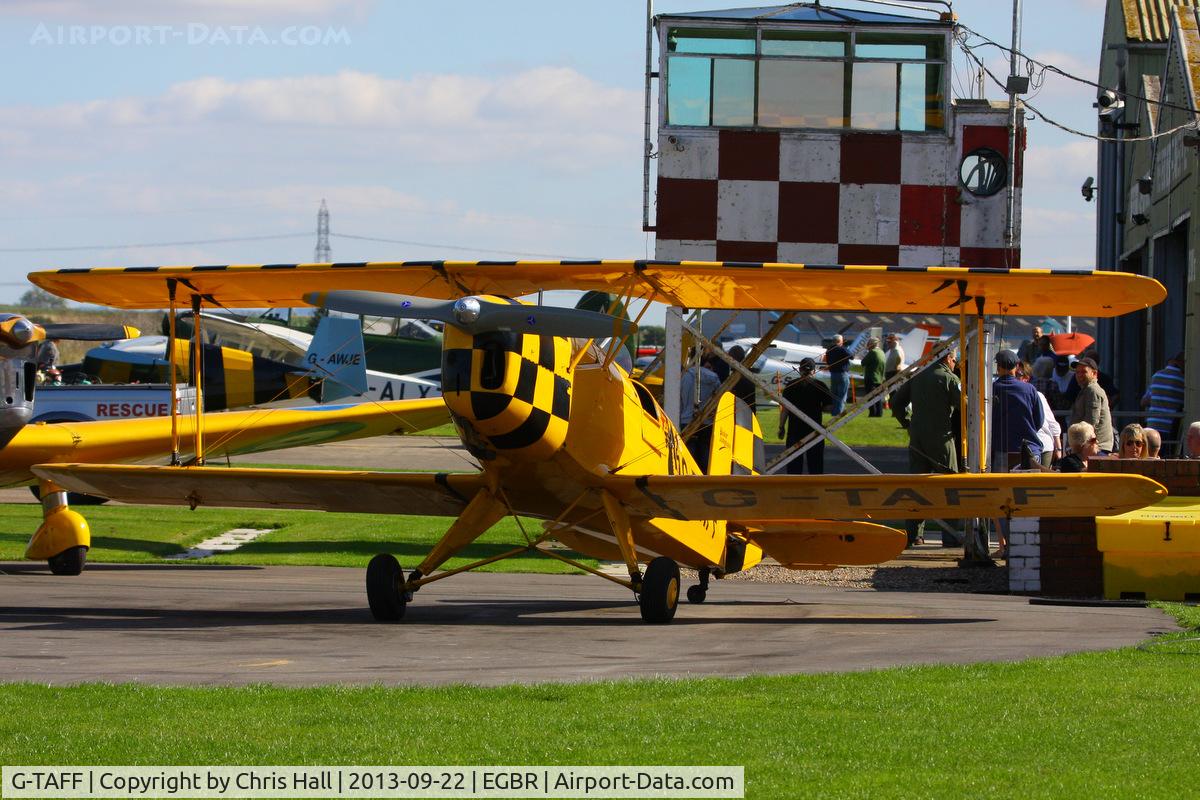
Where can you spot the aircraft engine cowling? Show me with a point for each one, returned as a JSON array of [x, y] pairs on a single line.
[[18, 374], [510, 392]]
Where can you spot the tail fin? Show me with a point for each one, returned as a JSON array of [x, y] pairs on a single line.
[[913, 344], [337, 355], [859, 344], [737, 449], [737, 443]]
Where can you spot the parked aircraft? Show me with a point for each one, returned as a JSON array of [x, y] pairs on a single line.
[[64, 537], [564, 435], [257, 363]]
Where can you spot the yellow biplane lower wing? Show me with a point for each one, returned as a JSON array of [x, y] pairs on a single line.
[[438, 494], [227, 433], [890, 497]]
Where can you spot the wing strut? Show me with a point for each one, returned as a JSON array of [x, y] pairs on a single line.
[[198, 377], [173, 361]]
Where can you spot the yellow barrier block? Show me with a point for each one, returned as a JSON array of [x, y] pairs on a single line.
[[1154, 552]]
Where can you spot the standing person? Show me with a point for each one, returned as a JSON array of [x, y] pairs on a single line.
[[1063, 378], [935, 394], [1091, 404], [1030, 348], [47, 354], [837, 359], [1016, 414], [810, 395], [1050, 434], [894, 363], [1165, 397], [1016, 418], [744, 388], [873, 363], [695, 387]]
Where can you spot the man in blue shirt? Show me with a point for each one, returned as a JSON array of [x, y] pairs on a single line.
[[1016, 415], [1016, 418]]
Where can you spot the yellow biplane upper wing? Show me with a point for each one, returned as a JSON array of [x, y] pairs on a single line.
[[439, 494], [879, 289], [226, 433], [754, 499]]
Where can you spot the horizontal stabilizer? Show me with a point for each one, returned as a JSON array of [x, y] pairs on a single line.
[[825, 544], [318, 490]]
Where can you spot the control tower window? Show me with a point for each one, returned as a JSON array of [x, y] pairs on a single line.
[[705, 88], [805, 78]]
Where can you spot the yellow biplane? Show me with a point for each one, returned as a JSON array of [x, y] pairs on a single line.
[[63, 538], [564, 435]]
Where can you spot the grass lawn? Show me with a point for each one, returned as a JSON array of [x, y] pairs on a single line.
[[1112, 724], [145, 534], [862, 431]]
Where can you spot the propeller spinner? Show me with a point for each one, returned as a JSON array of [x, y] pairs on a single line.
[[17, 331]]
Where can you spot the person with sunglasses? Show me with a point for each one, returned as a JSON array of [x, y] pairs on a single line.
[[1132, 442], [1081, 438]]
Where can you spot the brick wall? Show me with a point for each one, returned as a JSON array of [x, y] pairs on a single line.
[[1070, 565]]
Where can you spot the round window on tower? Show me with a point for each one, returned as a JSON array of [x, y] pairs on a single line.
[[983, 172]]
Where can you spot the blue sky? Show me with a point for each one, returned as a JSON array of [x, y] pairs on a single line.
[[471, 130]]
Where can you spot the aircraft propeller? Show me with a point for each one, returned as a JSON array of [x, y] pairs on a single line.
[[18, 331], [476, 315]]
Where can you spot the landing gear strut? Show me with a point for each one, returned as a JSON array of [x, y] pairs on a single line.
[[660, 591], [696, 594]]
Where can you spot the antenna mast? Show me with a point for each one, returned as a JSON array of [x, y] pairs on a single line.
[[323, 254]]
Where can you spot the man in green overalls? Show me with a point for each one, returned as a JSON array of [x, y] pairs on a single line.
[[935, 395]]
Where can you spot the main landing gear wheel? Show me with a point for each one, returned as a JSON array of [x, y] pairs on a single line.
[[385, 594], [660, 591], [69, 561]]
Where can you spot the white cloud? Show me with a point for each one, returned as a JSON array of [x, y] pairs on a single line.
[[555, 112]]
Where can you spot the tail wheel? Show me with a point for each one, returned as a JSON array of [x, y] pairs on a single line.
[[384, 593], [696, 594], [69, 561], [660, 591]]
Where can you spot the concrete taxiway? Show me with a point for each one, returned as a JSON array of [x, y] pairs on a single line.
[[307, 626]]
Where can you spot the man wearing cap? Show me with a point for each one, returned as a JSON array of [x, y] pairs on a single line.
[[1091, 404], [935, 397], [1016, 414], [809, 395]]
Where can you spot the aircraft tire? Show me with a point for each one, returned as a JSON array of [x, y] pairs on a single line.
[[696, 594], [384, 578], [69, 561], [660, 591]]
